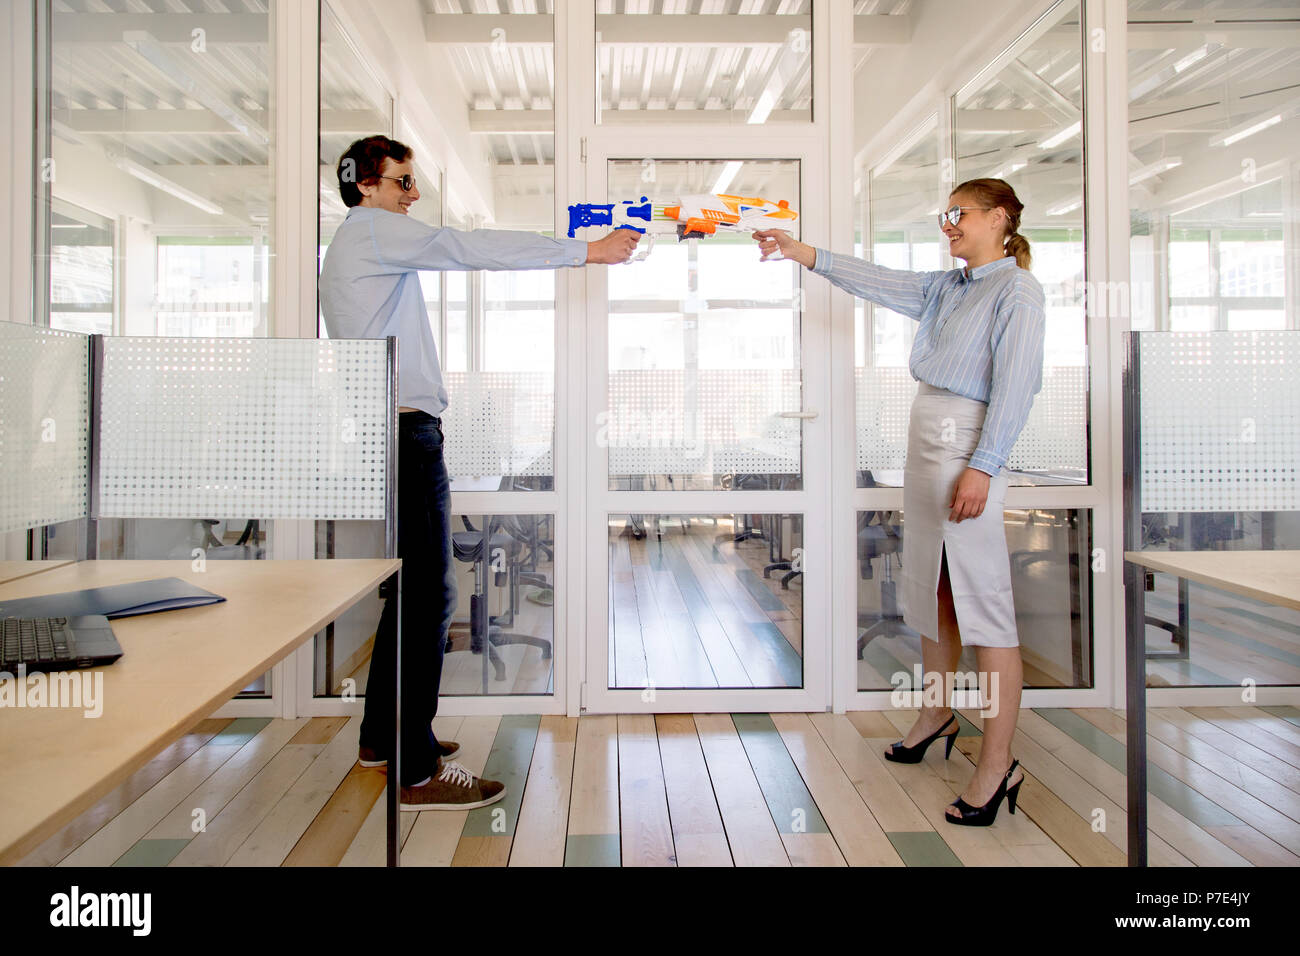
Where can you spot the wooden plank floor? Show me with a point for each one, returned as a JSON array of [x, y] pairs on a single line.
[[708, 790], [1233, 637]]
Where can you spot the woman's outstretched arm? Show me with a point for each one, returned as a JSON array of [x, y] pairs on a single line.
[[897, 289]]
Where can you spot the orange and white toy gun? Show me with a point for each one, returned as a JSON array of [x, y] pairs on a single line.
[[691, 217]]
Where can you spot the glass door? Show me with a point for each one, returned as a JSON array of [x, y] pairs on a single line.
[[707, 499]]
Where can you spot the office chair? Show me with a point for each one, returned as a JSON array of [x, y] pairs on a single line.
[[487, 632], [774, 531], [879, 536]]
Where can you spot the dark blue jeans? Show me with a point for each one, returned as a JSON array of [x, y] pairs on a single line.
[[428, 602]]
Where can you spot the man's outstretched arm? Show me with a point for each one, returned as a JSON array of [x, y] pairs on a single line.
[[405, 243]]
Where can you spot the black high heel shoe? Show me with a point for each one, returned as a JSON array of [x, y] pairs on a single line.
[[900, 754], [985, 815]]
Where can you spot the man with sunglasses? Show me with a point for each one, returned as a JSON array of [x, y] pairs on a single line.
[[370, 288]]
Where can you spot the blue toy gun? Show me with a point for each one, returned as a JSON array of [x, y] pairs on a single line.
[[620, 215]]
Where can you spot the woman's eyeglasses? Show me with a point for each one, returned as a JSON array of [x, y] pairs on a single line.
[[953, 215], [407, 182]]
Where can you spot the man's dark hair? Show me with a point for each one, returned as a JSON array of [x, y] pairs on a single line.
[[363, 162]]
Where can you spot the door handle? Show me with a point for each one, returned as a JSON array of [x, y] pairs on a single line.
[[806, 416]]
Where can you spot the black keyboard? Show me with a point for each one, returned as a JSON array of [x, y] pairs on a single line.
[[35, 641]]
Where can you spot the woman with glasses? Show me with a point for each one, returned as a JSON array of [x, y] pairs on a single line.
[[978, 356]]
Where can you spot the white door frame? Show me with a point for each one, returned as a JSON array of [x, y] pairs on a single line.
[[812, 502]]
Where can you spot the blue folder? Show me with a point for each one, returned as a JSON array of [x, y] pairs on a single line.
[[118, 600]]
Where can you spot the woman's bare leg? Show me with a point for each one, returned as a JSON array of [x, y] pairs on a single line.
[[1004, 674], [939, 661]]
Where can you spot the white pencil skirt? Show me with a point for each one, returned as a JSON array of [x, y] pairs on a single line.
[[942, 434]]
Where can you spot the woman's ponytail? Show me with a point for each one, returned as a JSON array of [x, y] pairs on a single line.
[[1018, 246]]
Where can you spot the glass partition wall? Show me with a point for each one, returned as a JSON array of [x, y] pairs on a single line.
[[157, 191], [689, 392], [1214, 118], [495, 335], [1019, 120]]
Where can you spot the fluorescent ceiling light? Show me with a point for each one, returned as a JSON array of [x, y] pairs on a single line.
[[1196, 56], [1061, 208], [147, 175], [727, 175], [763, 108], [1057, 139], [1004, 171], [1238, 133], [1154, 169]]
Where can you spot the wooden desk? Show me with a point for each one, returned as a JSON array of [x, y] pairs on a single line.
[[1272, 576], [177, 668], [13, 570]]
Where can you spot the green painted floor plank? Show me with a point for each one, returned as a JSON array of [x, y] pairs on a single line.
[[925, 848], [1287, 713], [1257, 617], [788, 800], [593, 849], [508, 762], [151, 853], [1223, 634], [1195, 673], [709, 549], [758, 590], [1160, 783], [785, 657]]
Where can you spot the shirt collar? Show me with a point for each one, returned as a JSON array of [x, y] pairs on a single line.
[[988, 268]]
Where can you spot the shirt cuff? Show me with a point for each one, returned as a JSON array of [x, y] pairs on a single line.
[[824, 262], [575, 251], [987, 462]]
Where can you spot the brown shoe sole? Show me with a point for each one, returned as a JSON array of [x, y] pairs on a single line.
[[416, 807]]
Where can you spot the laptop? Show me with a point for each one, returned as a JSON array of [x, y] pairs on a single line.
[[39, 644]]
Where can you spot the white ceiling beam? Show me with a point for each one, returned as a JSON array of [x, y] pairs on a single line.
[[218, 28], [147, 47], [542, 122], [1165, 35], [647, 29], [139, 122], [1194, 109]]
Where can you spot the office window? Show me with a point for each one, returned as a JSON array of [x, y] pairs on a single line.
[[705, 345], [82, 253], [1022, 121], [1213, 122], [498, 344], [898, 202], [165, 134], [1049, 551]]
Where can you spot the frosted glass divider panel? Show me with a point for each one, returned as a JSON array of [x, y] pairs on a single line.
[[44, 426], [262, 428], [499, 423], [1220, 421], [702, 421], [1054, 441]]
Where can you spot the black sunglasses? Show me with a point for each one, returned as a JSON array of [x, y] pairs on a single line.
[[407, 182]]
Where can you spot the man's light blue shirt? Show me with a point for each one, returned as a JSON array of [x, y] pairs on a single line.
[[980, 335], [370, 284]]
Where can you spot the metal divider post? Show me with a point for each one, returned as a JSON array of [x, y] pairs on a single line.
[[1134, 607], [393, 792]]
